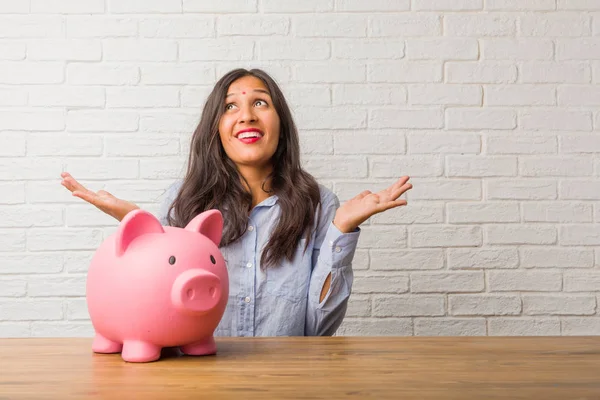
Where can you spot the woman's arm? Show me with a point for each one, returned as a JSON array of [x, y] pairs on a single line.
[[331, 278], [104, 201], [335, 244]]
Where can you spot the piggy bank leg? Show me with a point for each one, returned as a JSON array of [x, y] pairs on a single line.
[[202, 348], [105, 346], [138, 351]]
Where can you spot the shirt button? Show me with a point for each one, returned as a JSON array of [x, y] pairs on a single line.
[[249, 265], [250, 228], [338, 249], [247, 299]]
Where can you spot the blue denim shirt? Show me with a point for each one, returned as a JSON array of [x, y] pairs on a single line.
[[284, 300]]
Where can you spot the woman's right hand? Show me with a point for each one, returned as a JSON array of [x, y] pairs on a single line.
[[103, 200]]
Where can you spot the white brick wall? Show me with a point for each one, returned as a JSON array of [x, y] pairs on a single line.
[[491, 106]]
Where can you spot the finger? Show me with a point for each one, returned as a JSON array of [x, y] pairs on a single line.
[[88, 196], [67, 185], [397, 192], [363, 194], [67, 180], [393, 204], [395, 186], [76, 186], [72, 184], [401, 181]]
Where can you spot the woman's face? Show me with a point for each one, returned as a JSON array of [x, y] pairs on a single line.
[[249, 127]]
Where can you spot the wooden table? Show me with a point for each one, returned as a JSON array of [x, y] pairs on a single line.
[[303, 368]]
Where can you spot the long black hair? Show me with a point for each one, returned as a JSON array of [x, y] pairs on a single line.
[[212, 180]]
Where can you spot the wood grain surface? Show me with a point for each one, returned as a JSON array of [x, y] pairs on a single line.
[[311, 368]]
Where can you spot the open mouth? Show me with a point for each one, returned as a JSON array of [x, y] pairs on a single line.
[[249, 135]]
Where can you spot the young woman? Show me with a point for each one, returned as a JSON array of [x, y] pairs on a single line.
[[287, 242]]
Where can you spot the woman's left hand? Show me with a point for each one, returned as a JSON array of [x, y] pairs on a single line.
[[360, 208]]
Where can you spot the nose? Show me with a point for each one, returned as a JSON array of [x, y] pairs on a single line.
[[247, 114], [196, 291]]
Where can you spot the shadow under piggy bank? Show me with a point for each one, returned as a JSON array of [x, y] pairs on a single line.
[[151, 287]]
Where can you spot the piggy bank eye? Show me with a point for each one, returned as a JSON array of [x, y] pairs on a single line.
[[212, 260], [172, 260]]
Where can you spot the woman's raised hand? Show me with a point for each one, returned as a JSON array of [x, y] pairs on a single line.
[[358, 209], [103, 200]]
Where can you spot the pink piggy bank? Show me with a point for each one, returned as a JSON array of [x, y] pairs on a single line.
[[150, 287]]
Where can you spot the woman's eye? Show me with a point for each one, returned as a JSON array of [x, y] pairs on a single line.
[[229, 106], [261, 102]]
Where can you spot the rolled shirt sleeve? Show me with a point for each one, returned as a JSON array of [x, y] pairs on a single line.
[[167, 198], [332, 253]]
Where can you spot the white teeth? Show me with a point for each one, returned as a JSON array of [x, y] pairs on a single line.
[[246, 135]]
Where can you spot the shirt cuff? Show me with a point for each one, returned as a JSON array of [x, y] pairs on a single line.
[[339, 247]]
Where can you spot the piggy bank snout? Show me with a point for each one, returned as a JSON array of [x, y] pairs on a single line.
[[196, 291]]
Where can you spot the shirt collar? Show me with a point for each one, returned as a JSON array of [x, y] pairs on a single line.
[[268, 202]]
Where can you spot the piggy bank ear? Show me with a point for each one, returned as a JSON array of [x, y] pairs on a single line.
[[135, 224], [209, 223]]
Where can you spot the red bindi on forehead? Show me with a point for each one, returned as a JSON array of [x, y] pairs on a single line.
[[243, 92]]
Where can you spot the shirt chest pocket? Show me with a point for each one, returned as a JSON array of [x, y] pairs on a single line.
[[289, 280]]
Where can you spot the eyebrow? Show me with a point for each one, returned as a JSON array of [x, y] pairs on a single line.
[[255, 90]]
